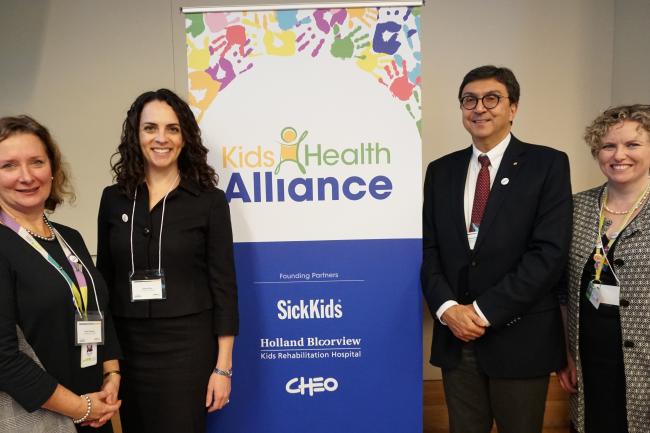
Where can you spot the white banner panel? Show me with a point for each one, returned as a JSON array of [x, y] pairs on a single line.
[[312, 118], [350, 151]]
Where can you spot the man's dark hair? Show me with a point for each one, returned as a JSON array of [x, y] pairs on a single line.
[[503, 75]]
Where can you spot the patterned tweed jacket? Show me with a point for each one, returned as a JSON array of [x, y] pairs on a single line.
[[632, 265], [14, 418]]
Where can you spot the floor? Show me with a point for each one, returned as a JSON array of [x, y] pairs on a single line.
[[556, 417]]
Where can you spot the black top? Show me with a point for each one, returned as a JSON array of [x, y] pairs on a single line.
[[35, 296], [600, 329], [197, 253], [601, 355]]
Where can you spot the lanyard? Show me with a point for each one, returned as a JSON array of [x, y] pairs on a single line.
[[162, 219], [80, 291], [601, 257]]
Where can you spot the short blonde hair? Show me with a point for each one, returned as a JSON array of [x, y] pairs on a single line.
[[61, 187], [595, 132]]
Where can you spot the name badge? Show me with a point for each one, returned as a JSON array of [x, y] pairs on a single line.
[[471, 239], [90, 330], [593, 294], [610, 294], [88, 355], [148, 285]]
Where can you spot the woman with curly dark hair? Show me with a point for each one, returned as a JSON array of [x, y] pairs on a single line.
[[165, 250]]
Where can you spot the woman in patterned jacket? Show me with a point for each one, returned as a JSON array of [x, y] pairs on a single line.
[[608, 278]]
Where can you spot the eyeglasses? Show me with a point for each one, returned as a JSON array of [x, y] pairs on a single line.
[[489, 101]]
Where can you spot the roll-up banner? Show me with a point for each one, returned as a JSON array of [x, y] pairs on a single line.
[[312, 118]]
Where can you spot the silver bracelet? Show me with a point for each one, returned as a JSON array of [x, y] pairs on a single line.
[[89, 408], [225, 373]]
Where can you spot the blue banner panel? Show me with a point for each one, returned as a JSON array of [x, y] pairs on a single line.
[[330, 338]]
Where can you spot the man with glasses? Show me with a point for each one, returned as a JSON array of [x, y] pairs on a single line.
[[496, 228]]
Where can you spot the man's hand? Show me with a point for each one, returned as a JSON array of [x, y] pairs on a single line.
[[464, 322], [568, 376]]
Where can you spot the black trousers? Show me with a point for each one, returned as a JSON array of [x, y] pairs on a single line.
[[165, 373], [475, 400]]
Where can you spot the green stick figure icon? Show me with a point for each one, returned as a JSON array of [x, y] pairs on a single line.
[[289, 148]]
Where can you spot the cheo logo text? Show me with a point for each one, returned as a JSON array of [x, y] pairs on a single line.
[[311, 385]]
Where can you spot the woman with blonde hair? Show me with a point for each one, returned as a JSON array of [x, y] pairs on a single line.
[[608, 281]]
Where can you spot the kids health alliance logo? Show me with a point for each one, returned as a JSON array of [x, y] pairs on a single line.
[[257, 174]]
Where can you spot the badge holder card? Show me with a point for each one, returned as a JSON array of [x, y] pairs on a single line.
[[90, 330], [610, 294], [148, 285], [593, 293], [471, 239], [88, 355]]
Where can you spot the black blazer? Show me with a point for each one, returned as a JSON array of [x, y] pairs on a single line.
[[35, 296], [518, 258], [197, 253]]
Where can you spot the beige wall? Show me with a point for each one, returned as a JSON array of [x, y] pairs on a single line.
[[76, 65], [631, 80], [561, 52]]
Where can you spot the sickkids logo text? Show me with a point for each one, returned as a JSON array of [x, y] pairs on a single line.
[[258, 174]]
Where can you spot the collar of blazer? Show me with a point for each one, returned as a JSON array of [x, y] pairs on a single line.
[[190, 185], [585, 223], [511, 163]]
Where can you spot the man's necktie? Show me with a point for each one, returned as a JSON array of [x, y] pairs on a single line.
[[481, 194]]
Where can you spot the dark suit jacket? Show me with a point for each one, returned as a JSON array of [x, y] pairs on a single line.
[[518, 258], [197, 253]]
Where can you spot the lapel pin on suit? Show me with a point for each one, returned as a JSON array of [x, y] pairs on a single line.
[[505, 181]]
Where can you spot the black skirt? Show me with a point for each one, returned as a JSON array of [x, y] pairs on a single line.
[[165, 372]]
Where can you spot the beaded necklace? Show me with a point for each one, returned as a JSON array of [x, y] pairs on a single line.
[[52, 235], [600, 256]]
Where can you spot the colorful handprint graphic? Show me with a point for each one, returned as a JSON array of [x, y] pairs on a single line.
[[344, 47], [383, 42]]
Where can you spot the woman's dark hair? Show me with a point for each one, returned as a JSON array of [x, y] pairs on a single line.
[[61, 187], [128, 169]]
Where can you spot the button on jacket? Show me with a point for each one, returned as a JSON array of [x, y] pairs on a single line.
[[196, 257]]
